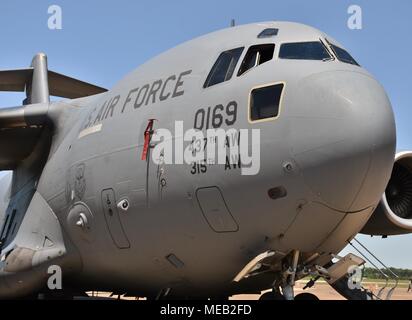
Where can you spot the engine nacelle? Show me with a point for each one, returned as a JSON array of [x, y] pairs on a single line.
[[393, 215]]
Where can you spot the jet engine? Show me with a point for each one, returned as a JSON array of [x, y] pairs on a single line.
[[393, 216]]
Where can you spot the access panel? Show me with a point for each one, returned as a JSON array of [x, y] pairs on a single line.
[[215, 211]]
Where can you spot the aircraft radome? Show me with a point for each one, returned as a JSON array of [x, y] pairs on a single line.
[[240, 161]]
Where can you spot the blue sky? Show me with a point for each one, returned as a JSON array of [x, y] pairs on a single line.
[[101, 41]]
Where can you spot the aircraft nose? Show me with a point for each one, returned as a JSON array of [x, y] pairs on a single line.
[[343, 138]]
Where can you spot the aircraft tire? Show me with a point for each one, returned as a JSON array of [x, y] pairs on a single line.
[[272, 296], [306, 296]]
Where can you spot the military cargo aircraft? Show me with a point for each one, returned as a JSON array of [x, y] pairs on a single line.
[[86, 195]]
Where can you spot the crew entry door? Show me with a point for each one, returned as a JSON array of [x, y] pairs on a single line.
[[156, 171], [111, 215]]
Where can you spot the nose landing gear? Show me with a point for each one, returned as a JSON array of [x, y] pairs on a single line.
[[287, 283], [289, 276], [286, 268]]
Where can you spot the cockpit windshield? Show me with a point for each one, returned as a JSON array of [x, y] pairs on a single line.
[[343, 55], [314, 50]]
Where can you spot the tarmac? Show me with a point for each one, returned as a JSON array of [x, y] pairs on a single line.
[[325, 292], [321, 289]]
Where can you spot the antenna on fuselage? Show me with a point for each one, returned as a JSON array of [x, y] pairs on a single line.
[[232, 23]]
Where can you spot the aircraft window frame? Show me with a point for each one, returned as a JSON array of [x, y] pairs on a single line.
[[329, 56], [255, 50], [328, 48], [279, 101], [230, 68], [351, 59]]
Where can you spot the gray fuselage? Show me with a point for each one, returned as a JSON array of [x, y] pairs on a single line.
[[193, 228]]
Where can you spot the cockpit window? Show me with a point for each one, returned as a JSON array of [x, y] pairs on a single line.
[[255, 56], [265, 102], [267, 33], [224, 67], [314, 50], [343, 55]]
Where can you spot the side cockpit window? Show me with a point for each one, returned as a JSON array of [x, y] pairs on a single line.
[[224, 67], [343, 55], [313, 50], [265, 102], [255, 56]]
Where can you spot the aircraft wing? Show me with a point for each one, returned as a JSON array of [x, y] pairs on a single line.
[[59, 85], [21, 128]]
